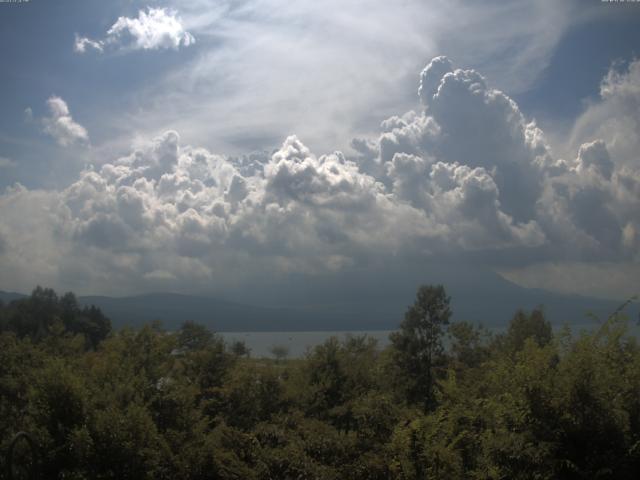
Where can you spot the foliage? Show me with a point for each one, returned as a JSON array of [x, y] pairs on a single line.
[[280, 352], [39, 314], [240, 349], [529, 403], [417, 346]]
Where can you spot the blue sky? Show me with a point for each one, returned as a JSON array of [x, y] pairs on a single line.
[[235, 77], [103, 90]]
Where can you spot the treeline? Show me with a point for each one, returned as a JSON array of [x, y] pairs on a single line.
[[444, 400]]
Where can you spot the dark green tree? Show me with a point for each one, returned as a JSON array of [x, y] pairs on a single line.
[[194, 336], [94, 324], [239, 349], [468, 344], [33, 316], [280, 352], [43, 313], [523, 326], [89, 321], [417, 346]]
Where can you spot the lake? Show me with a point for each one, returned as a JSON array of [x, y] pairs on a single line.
[[260, 343], [297, 342]]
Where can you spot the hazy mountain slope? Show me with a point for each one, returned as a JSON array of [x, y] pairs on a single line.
[[359, 302], [7, 297]]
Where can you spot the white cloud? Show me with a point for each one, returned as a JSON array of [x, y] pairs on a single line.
[[466, 122], [168, 208], [157, 28], [6, 162], [467, 173], [28, 115], [60, 125], [265, 68], [82, 43], [588, 208], [615, 117], [585, 208], [590, 211]]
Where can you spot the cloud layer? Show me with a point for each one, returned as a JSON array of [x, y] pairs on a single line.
[[466, 174], [155, 29]]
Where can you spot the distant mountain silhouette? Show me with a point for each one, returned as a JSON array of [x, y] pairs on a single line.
[[173, 309], [491, 301], [7, 297]]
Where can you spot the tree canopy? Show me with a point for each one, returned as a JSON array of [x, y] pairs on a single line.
[[417, 346], [442, 400]]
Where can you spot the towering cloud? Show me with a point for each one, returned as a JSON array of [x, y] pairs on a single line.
[[615, 119], [467, 173]]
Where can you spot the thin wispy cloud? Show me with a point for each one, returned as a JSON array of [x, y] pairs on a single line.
[[332, 70], [82, 44]]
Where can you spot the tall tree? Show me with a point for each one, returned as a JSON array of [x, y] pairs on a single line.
[[417, 346], [194, 336], [524, 326]]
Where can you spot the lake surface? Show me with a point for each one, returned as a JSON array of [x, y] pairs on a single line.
[[297, 342]]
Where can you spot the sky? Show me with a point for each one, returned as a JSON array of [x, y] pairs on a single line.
[[214, 146]]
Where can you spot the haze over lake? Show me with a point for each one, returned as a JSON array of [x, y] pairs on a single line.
[[300, 343]]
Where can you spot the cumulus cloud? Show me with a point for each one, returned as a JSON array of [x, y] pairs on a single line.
[[584, 209], [157, 28], [615, 118], [583, 206], [588, 208], [60, 125], [431, 76], [465, 121], [466, 173]]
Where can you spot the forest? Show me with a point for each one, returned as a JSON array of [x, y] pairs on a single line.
[[444, 400]]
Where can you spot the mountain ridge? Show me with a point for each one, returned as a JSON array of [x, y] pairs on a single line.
[[225, 315]]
